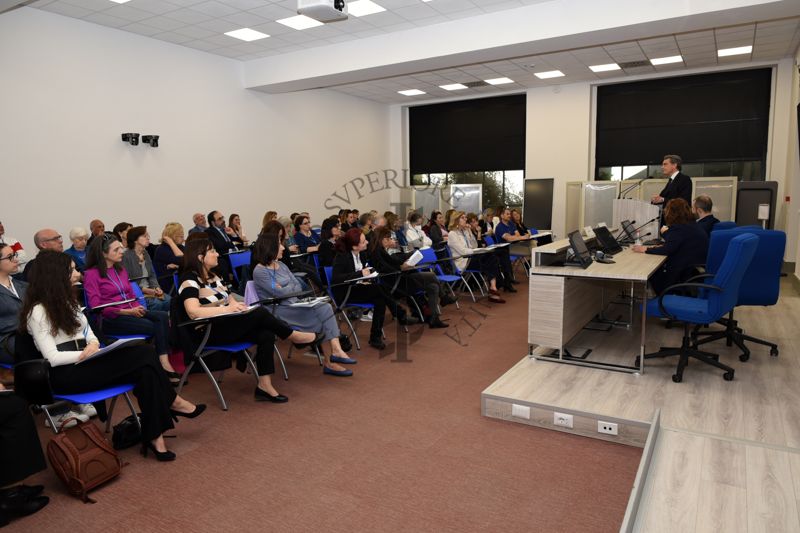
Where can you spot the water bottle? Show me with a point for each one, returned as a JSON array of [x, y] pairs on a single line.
[[638, 239]]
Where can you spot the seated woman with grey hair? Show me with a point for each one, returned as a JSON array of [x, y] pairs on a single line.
[[79, 237]]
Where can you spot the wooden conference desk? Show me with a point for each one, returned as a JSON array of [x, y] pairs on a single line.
[[563, 299]]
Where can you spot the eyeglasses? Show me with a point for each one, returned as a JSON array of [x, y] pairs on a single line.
[[56, 238], [12, 257]]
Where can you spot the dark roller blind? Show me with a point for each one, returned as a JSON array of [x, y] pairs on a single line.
[[481, 134], [709, 117]]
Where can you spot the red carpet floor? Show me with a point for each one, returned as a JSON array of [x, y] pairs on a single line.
[[398, 447]]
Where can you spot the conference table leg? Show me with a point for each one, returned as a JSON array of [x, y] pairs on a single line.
[[644, 326]]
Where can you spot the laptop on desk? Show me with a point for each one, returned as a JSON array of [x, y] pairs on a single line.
[[606, 242]]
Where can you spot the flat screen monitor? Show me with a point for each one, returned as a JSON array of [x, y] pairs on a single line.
[[606, 241], [580, 249], [627, 227]]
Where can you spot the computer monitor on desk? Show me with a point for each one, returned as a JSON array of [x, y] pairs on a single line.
[[581, 257], [605, 241]]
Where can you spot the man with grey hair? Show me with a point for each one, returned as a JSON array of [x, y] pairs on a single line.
[[679, 185], [44, 239], [200, 225]]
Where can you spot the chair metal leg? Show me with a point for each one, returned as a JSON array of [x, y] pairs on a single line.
[[352, 330], [280, 360], [466, 284], [210, 375], [110, 413], [319, 355], [184, 376], [50, 419], [133, 410]]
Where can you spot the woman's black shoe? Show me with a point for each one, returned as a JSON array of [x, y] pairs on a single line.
[[317, 339], [437, 323], [263, 396], [377, 343], [161, 456], [198, 410], [20, 505], [174, 378], [29, 491]]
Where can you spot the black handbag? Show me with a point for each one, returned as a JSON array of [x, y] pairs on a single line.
[[344, 341], [126, 433]]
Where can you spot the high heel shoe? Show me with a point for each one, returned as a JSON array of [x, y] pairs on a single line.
[[161, 456], [263, 396], [198, 410]]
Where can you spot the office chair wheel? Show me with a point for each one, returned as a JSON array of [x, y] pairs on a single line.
[[773, 352], [676, 378], [728, 376], [744, 357]]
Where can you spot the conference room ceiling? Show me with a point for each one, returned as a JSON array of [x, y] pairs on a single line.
[[771, 41], [201, 24]]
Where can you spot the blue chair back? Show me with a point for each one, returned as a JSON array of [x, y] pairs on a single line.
[[726, 224], [428, 255], [137, 291], [729, 275], [239, 259], [488, 239], [762, 279], [328, 271], [401, 237]]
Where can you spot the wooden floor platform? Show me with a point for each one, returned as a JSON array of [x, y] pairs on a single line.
[[739, 440]]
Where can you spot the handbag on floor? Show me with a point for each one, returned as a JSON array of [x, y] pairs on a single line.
[[82, 458], [344, 341], [126, 434]]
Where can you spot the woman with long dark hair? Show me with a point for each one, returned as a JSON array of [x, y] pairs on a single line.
[[273, 279], [350, 264], [202, 294], [61, 332], [331, 230], [106, 281], [307, 241], [411, 279]]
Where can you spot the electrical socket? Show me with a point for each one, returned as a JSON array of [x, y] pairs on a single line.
[[562, 419], [609, 428], [520, 411]]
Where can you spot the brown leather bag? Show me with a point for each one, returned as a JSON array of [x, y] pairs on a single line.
[[83, 458]]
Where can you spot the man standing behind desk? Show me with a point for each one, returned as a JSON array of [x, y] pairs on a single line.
[[679, 186]]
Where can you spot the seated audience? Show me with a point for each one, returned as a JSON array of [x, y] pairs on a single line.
[[437, 231], [516, 218], [415, 237], [203, 295], [269, 216], [106, 281], [411, 279], [701, 209], [462, 243], [221, 238], [294, 265], [366, 223], [307, 241], [349, 264], [139, 266], [77, 251], [685, 245], [44, 239], [64, 337], [506, 231], [349, 219], [120, 231], [330, 232], [12, 292], [200, 224], [96, 227], [474, 225], [238, 237], [22, 255], [288, 235], [22, 456], [169, 254], [487, 221], [273, 279]]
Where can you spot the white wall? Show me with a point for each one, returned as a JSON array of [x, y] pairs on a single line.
[[558, 140], [69, 88]]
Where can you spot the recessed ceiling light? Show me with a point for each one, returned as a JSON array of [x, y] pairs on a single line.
[[361, 8], [453, 87], [411, 92], [666, 60], [120, 1], [604, 68], [548, 74], [499, 81], [246, 34], [299, 22], [734, 51]]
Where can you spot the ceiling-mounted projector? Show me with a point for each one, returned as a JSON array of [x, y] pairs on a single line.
[[323, 10]]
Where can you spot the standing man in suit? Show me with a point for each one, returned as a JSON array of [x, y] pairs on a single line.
[[679, 185]]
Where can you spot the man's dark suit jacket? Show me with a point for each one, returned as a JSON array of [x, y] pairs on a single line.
[[222, 246], [707, 223], [679, 187]]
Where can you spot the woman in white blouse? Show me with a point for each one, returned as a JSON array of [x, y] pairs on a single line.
[[463, 244], [62, 334]]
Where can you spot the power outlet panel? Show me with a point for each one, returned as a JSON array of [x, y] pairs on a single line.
[[562, 419], [609, 428], [520, 411]]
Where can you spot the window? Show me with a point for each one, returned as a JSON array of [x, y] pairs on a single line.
[[500, 187], [744, 170]]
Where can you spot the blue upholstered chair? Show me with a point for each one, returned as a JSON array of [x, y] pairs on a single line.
[[716, 299], [239, 260], [760, 285], [723, 225], [341, 307]]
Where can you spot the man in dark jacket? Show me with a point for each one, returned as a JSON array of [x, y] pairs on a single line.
[[679, 185], [702, 210]]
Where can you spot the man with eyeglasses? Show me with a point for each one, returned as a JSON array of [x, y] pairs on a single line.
[[22, 256], [44, 239], [220, 237]]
